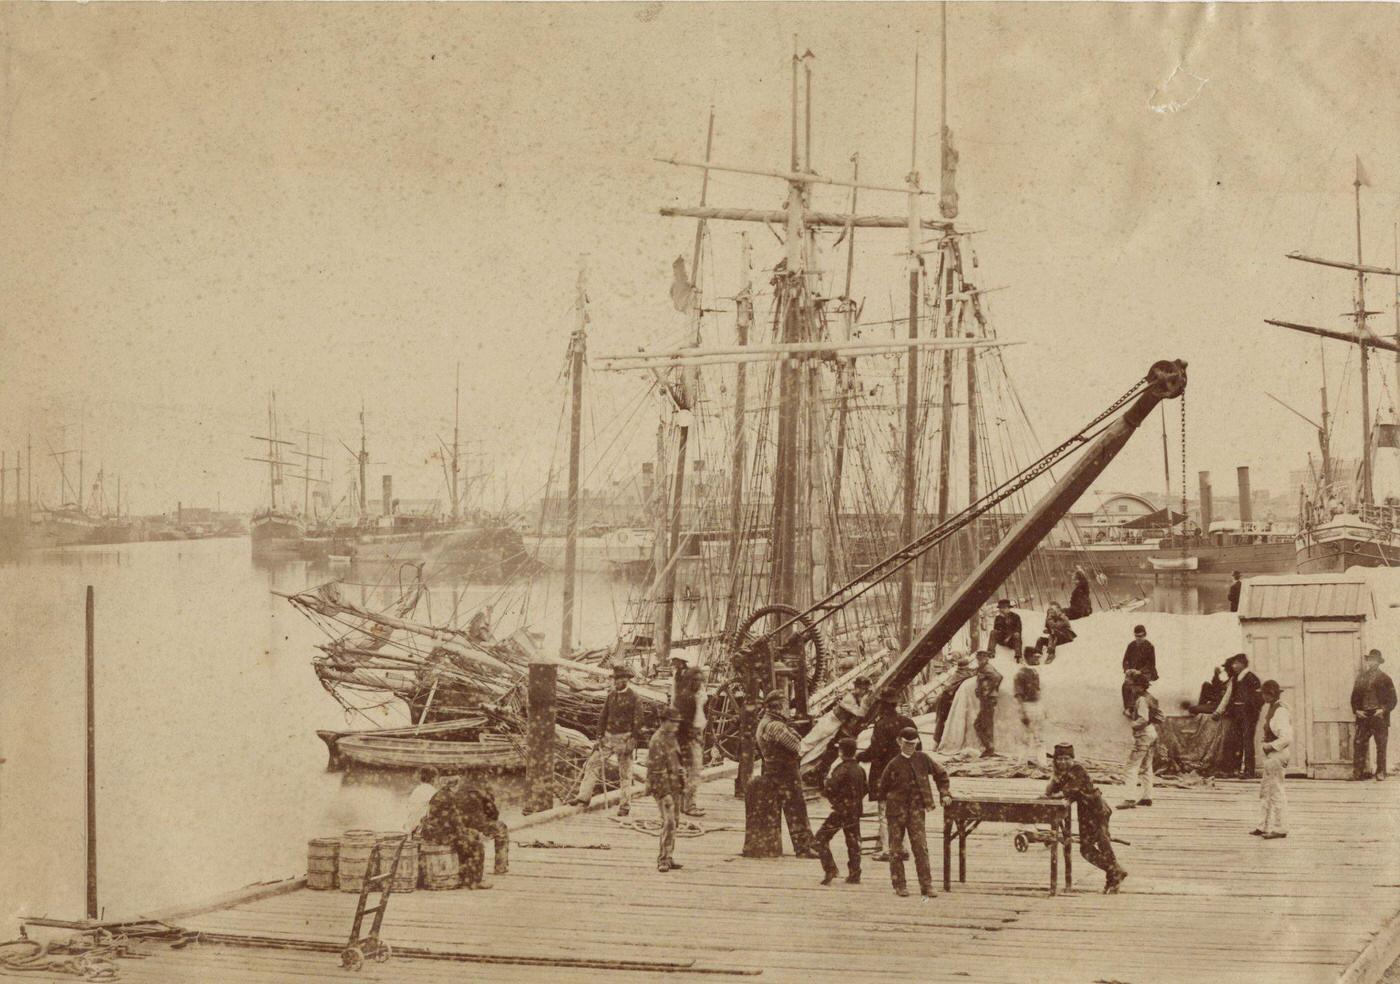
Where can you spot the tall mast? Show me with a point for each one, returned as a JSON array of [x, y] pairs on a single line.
[[362, 460], [743, 319], [1325, 431], [456, 424], [1396, 232], [576, 358], [666, 622], [1362, 333], [911, 385], [271, 446], [848, 314]]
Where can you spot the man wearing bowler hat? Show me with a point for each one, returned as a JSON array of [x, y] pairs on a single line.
[[1372, 700], [619, 730]]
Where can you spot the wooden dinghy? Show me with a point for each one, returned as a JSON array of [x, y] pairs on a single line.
[[449, 745]]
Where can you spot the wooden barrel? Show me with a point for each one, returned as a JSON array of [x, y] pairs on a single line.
[[355, 848], [439, 865], [406, 879], [322, 854]]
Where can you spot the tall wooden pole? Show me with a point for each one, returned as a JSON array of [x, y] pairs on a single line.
[[456, 437], [1361, 333], [91, 769], [743, 320], [911, 385], [540, 715], [848, 309], [973, 540], [577, 345]]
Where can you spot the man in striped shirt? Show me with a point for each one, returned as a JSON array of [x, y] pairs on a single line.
[[781, 749]]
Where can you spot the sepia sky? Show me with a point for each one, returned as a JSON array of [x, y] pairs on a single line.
[[202, 203]]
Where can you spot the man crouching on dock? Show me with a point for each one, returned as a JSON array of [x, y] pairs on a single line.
[[1071, 781]]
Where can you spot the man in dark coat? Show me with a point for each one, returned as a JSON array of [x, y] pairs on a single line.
[[1372, 700], [845, 790], [665, 782], [1141, 656], [1072, 782], [619, 733], [1080, 603], [884, 745], [781, 749], [1241, 711], [908, 796], [448, 822], [1006, 629], [478, 811], [687, 684], [1235, 587]]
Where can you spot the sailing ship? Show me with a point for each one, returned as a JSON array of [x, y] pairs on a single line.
[[1341, 523], [275, 528], [851, 445]]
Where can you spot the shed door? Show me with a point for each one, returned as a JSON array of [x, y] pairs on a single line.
[[1331, 660], [1275, 653]]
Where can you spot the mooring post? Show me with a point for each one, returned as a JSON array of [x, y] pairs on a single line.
[[539, 737], [91, 773], [746, 736]]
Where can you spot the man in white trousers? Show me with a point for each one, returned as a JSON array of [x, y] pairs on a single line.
[[1278, 739]]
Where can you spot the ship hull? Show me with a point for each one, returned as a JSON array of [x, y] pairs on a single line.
[[1210, 559], [274, 532], [1335, 556]]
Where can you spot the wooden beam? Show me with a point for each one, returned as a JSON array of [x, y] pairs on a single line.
[[1343, 265], [797, 348], [1373, 341], [804, 177], [832, 220]]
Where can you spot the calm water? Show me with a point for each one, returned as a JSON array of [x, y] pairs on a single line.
[[210, 775]]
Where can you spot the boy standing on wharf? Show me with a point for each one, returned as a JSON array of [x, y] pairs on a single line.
[[1145, 716], [1278, 738], [619, 728], [1072, 782], [908, 796], [666, 783], [845, 790]]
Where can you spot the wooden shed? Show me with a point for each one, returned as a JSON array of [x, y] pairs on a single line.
[[1309, 632]]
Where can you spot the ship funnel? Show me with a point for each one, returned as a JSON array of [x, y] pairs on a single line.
[[388, 509], [1246, 510], [1205, 501]]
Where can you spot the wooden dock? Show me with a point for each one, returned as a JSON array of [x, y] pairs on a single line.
[[1205, 901]]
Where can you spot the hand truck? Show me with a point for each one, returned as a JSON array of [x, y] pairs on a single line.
[[359, 947]]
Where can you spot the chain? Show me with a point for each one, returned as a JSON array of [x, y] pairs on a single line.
[[884, 569], [1183, 464]]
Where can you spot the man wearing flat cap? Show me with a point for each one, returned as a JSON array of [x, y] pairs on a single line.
[[884, 745], [666, 783], [619, 731], [1372, 700], [781, 749], [1071, 781], [908, 797], [845, 790]]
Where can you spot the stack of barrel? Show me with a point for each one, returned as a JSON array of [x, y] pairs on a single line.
[[343, 862]]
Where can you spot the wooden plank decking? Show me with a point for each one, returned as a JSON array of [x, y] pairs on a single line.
[[1204, 902]]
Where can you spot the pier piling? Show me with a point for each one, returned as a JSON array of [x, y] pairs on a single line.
[[539, 738]]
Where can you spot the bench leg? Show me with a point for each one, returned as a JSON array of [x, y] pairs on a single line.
[[1054, 865], [1068, 843], [947, 853], [962, 850]]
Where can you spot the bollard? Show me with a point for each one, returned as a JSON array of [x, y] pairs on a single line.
[[539, 738]]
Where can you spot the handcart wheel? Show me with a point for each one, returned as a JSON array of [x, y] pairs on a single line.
[[383, 954], [1021, 843], [352, 958]]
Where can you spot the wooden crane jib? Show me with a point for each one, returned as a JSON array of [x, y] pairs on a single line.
[[1165, 380]]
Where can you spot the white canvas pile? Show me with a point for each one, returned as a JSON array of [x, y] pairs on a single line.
[[1081, 691]]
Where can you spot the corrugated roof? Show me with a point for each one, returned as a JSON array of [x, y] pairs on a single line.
[[1299, 596]]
